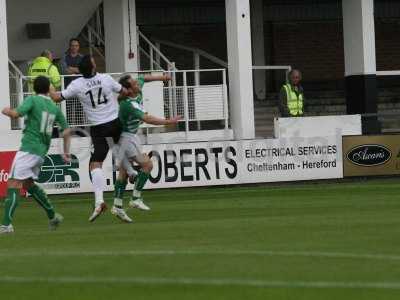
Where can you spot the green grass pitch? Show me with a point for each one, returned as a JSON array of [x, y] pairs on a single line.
[[311, 241]]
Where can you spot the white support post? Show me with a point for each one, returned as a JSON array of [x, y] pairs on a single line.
[[240, 68], [185, 102], [257, 30], [226, 108], [359, 37], [5, 124], [117, 37]]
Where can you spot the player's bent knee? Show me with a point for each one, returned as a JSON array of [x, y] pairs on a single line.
[[14, 184], [28, 183], [147, 165]]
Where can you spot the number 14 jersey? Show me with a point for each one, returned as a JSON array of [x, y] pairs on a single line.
[[97, 96]]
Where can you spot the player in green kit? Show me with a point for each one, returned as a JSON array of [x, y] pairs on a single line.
[[132, 114], [40, 114]]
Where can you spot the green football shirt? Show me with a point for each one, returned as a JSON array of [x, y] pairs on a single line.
[[40, 114], [131, 112]]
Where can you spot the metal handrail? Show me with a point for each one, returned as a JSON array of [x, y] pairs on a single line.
[[154, 48], [287, 68], [194, 50], [16, 69], [100, 38]]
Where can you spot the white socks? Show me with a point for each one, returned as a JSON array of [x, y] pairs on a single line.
[[99, 182], [136, 194]]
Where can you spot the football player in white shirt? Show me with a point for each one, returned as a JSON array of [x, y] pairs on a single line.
[[97, 94]]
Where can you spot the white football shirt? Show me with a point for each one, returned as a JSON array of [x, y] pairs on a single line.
[[97, 95]]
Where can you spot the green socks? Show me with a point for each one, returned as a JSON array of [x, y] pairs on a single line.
[[41, 197], [9, 205], [141, 180], [119, 190]]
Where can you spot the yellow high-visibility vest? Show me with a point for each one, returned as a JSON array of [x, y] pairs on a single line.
[[42, 66], [295, 101]]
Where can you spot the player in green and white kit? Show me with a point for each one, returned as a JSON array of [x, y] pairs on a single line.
[[40, 114], [132, 114]]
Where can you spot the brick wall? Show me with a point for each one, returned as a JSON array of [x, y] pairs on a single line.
[[315, 47], [387, 45]]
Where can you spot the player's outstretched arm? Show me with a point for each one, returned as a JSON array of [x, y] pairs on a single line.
[[148, 78], [11, 113], [67, 144], [54, 95], [149, 119]]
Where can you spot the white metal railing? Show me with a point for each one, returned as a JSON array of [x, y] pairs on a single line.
[[197, 55], [388, 73], [157, 60], [16, 88], [182, 96], [287, 69], [94, 39]]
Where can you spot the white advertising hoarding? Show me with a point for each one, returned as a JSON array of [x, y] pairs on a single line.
[[204, 164], [317, 126]]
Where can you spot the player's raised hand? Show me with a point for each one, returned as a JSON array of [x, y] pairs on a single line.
[[6, 111]]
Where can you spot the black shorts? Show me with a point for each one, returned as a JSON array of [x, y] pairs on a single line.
[[103, 137]]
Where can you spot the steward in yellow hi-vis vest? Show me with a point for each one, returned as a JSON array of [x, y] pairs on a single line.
[[291, 97], [43, 66]]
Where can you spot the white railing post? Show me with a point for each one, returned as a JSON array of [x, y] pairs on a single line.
[[98, 26], [185, 102], [151, 58], [196, 58], [174, 103], [170, 100], [63, 103], [225, 91], [158, 54]]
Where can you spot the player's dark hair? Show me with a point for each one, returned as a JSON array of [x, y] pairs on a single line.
[[124, 81], [41, 85], [74, 40], [86, 66]]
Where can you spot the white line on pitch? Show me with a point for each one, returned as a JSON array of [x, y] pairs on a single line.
[[335, 255], [204, 281]]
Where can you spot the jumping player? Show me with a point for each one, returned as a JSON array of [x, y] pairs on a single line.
[[97, 94], [132, 114], [40, 114]]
